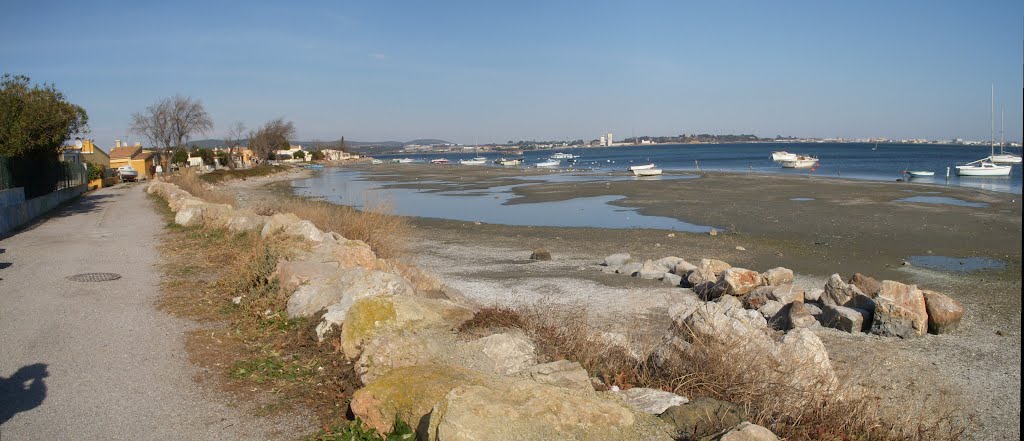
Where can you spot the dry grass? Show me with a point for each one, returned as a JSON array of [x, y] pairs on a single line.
[[221, 175], [724, 372], [191, 182], [385, 233], [263, 356]]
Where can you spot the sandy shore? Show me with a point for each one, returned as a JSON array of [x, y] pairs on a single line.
[[849, 226]]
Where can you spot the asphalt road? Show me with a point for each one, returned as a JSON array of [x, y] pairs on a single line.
[[97, 360]]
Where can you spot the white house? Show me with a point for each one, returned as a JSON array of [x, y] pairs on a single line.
[[289, 155]]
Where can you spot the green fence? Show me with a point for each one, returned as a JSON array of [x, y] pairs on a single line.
[[6, 180]]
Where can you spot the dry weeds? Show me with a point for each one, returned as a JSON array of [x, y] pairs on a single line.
[[385, 233], [191, 182], [724, 372]]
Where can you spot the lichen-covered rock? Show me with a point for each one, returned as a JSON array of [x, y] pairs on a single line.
[[757, 297], [702, 416], [617, 259], [652, 401], [944, 313], [900, 311], [408, 393], [561, 373], [777, 276], [737, 281], [392, 351], [372, 316], [511, 352], [786, 293], [813, 295], [526, 410], [344, 288]]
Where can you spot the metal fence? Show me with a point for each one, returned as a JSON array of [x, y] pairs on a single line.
[[41, 176]]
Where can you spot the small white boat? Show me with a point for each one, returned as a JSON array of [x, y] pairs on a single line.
[[1005, 158], [918, 173], [376, 162], [403, 160], [441, 161], [548, 163], [560, 155], [647, 172], [641, 167], [801, 161], [783, 156], [508, 161], [479, 160], [983, 167]]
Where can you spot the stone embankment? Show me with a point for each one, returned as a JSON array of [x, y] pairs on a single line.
[[397, 325], [771, 299]]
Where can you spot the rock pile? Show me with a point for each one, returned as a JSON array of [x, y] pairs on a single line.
[[860, 304], [396, 325]]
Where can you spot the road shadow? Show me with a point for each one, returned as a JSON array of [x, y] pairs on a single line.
[[25, 390], [4, 265], [86, 203]]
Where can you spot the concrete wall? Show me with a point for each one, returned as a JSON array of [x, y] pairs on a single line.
[[15, 211]]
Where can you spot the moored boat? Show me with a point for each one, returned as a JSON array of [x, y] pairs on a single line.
[[1005, 158], [548, 163], [560, 155], [376, 162], [983, 167], [647, 172], [439, 161], [918, 173], [801, 161], [479, 160], [783, 156], [508, 161], [641, 167]]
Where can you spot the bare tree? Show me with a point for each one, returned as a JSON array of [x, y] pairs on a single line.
[[233, 140], [272, 136], [170, 122]]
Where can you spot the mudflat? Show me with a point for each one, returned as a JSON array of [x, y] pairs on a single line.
[[815, 226]]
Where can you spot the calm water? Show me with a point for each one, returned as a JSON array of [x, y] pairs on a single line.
[[347, 188], [856, 161]]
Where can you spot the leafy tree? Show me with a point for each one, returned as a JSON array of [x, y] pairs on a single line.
[[180, 156], [299, 155], [316, 155], [95, 171], [36, 119]]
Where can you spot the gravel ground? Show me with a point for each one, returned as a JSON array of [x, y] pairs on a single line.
[[101, 362]]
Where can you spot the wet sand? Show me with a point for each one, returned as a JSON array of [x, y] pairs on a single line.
[[849, 226]]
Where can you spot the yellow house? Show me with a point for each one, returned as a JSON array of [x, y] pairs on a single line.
[[88, 152], [141, 160]]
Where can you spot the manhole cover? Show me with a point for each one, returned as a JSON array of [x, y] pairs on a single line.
[[94, 277]]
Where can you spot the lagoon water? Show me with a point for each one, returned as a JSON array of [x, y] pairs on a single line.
[[348, 188], [847, 160]]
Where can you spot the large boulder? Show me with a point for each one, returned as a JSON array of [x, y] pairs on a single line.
[[189, 216], [392, 351], [372, 316], [944, 313], [617, 259], [777, 276], [306, 230], [683, 268], [652, 401], [757, 297], [672, 279], [526, 410], [851, 320], [511, 352], [278, 222], [800, 316], [737, 281], [866, 284], [803, 355], [409, 393], [900, 311], [630, 269], [561, 373], [669, 264], [786, 293], [651, 271], [344, 289], [702, 416], [540, 254], [244, 220], [838, 292], [746, 431]]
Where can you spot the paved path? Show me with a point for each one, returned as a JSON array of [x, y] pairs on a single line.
[[97, 360]]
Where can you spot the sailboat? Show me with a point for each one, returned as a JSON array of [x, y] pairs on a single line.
[[985, 166], [1003, 157]]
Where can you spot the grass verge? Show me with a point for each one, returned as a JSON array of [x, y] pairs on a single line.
[[221, 175], [194, 183]]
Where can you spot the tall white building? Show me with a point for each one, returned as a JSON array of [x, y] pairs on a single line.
[[609, 139], [602, 142]]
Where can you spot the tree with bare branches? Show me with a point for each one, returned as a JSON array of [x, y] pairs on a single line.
[[233, 140], [273, 135], [172, 121]]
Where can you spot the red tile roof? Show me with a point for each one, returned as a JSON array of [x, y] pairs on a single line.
[[124, 152]]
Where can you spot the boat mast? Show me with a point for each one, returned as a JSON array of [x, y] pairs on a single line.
[[1002, 129], [992, 123]]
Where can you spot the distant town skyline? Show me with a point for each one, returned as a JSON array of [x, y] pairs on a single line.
[[482, 73]]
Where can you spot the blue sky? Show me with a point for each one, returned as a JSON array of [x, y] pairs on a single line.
[[491, 72]]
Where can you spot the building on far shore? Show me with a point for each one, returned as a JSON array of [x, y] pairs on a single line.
[[289, 155], [337, 155]]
